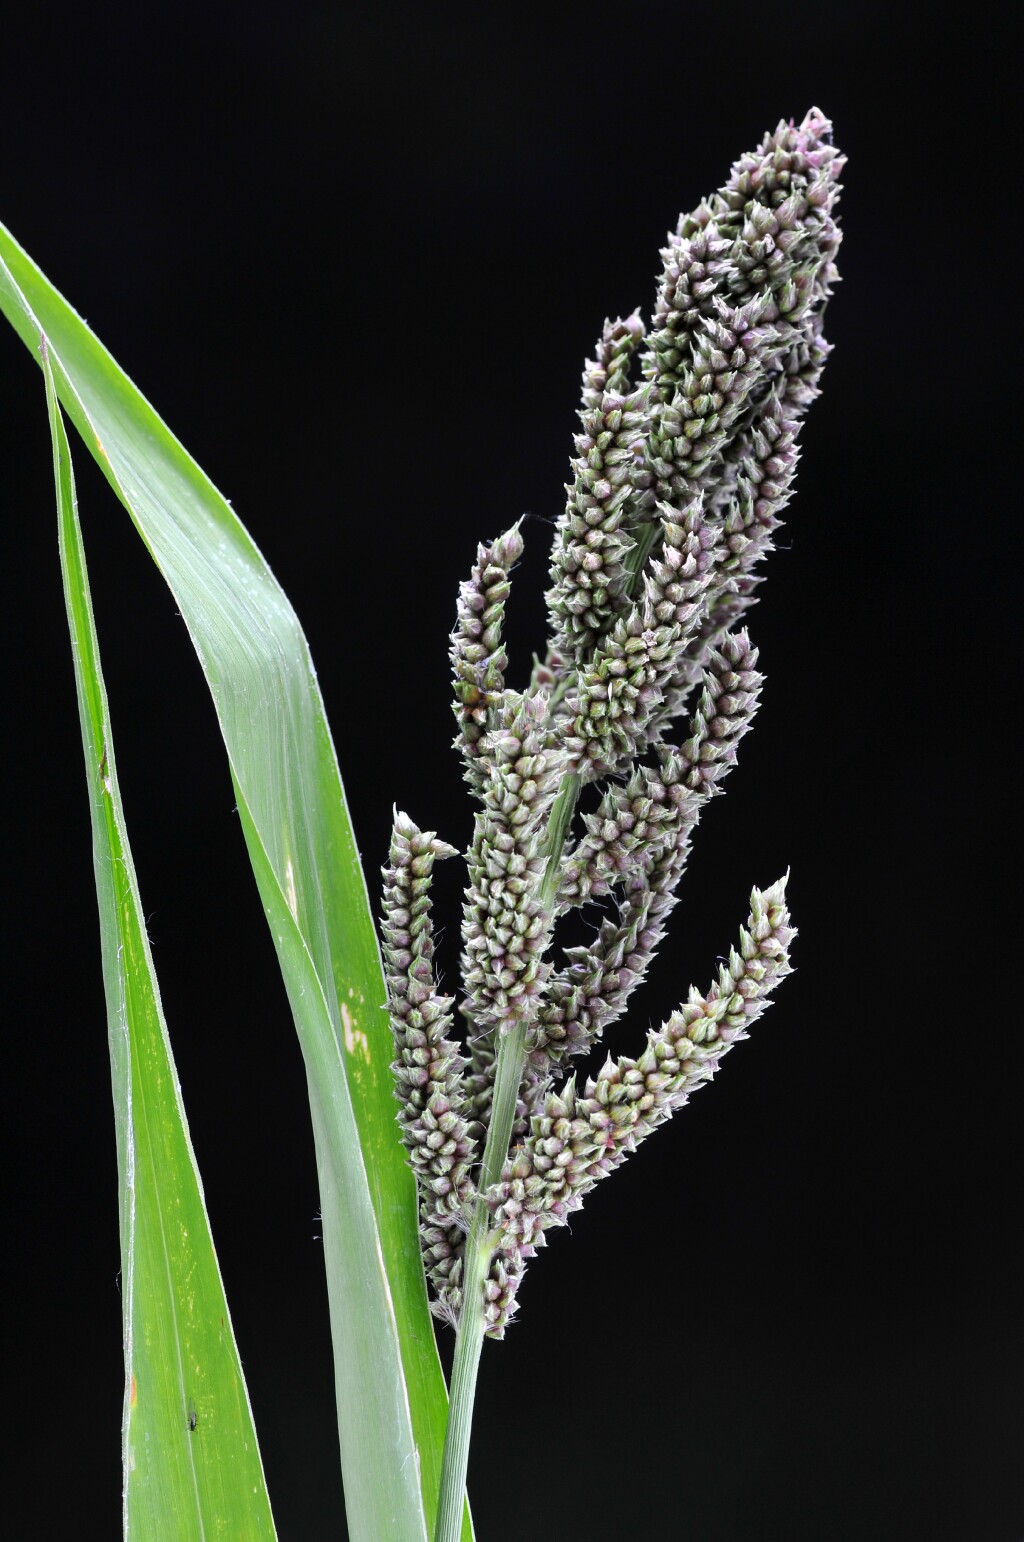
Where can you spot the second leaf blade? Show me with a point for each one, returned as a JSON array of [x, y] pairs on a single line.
[[191, 1463]]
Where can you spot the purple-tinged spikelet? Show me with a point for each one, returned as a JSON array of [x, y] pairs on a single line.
[[609, 492], [579, 1138], [477, 654], [506, 927], [433, 1114]]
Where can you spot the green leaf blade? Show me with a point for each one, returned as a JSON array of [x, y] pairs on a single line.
[[191, 1463], [391, 1394]]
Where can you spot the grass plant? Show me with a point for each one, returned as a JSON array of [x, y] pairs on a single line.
[[589, 782]]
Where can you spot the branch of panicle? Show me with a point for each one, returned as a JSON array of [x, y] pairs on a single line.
[[579, 1138], [434, 1116]]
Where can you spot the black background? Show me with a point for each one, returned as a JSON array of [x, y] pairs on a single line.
[[356, 263]]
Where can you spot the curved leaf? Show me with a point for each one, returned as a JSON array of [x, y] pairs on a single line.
[[391, 1396], [191, 1462]]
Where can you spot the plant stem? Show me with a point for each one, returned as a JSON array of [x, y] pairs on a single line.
[[476, 1263], [558, 828], [637, 558]]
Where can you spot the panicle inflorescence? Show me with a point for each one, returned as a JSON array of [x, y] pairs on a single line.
[[682, 468], [575, 1139]]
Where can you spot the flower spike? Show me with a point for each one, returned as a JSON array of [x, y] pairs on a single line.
[[681, 471]]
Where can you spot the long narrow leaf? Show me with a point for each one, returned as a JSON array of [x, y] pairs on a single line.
[[191, 1462], [391, 1397]]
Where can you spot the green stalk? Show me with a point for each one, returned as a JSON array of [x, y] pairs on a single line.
[[480, 1245], [558, 828], [636, 560]]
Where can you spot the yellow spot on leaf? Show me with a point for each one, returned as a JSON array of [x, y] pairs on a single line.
[[356, 1041], [291, 897]]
